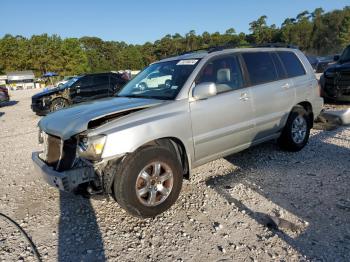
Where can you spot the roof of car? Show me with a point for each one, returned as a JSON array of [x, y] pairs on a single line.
[[203, 53], [101, 73]]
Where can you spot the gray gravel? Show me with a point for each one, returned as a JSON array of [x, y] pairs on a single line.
[[259, 205]]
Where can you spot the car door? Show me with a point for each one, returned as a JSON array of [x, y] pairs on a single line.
[[272, 92], [304, 84], [222, 123], [152, 80], [100, 86], [82, 89]]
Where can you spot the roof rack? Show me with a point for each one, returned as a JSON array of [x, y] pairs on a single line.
[[223, 47], [277, 45], [194, 51]]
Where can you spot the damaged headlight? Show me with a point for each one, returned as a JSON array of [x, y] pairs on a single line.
[[91, 148]]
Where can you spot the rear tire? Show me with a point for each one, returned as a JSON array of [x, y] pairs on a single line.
[[137, 187], [296, 132]]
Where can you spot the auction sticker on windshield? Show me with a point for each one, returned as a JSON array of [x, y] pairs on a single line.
[[187, 62]]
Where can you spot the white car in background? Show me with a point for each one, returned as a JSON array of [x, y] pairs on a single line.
[[155, 80]]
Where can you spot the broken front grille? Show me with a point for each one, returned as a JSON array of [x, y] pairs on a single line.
[[59, 154]]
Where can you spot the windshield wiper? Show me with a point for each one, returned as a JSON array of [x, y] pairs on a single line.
[[147, 97], [130, 96]]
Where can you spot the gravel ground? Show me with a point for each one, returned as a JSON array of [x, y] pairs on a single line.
[[262, 204]]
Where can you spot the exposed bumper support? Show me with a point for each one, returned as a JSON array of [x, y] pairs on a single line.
[[67, 180]]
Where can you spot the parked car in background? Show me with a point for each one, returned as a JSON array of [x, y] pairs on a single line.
[[140, 145], [319, 63], [78, 89], [323, 63], [4, 95], [156, 80], [313, 61], [335, 81]]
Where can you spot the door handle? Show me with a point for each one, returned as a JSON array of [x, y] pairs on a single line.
[[244, 97], [286, 86]]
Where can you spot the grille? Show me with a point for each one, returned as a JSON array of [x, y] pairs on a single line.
[[344, 80], [59, 154], [338, 85]]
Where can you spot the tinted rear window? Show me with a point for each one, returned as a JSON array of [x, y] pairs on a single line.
[[279, 67], [260, 67], [292, 64]]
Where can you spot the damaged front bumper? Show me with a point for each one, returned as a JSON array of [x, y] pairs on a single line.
[[68, 180]]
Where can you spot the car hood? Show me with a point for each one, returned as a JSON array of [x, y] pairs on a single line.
[[46, 92], [345, 67], [71, 121]]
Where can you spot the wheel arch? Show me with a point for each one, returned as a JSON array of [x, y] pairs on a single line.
[[179, 148], [172, 142], [53, 98], [308, 108]]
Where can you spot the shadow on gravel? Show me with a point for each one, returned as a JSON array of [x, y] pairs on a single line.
[[79, 236], [9, 103], [1, 114], [316, 192]]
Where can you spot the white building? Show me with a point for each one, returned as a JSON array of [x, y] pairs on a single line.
[[3, 79], [21, 80]]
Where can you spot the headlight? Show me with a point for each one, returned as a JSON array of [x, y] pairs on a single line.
[[91, 147]]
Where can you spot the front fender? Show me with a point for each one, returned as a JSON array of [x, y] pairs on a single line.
[[128, 137]]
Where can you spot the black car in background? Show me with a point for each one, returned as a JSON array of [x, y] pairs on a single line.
[[324, 63], [78, 89], [319, 63], [335, 81]]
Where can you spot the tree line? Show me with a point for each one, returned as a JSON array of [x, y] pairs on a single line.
[[316, 33]]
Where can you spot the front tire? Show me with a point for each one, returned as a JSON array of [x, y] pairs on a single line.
[[58, 104], [295, 134], [149, 181]]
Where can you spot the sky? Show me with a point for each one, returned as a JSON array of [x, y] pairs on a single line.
[[137, 21]]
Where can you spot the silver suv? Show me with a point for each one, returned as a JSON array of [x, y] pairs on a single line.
[[140, 145]]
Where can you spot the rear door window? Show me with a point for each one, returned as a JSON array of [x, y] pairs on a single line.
[[281, 72], [292, 64], [260, 66]]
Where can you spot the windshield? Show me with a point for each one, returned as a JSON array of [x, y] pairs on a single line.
[[345, 57], [162, 80], [70, 82]]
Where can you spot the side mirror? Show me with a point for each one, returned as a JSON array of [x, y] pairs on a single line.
[[336, 58], [204, 90]]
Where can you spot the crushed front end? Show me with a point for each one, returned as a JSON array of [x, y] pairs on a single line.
[[60, 165], [336, 85]]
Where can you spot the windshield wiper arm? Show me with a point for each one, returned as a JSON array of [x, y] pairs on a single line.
[[147, 97]]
